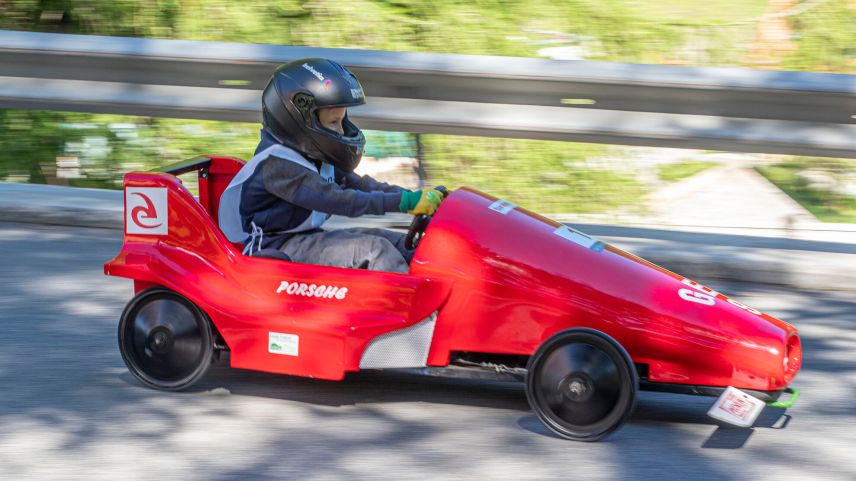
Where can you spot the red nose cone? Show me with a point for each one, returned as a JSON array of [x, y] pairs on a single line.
[[793, 357]]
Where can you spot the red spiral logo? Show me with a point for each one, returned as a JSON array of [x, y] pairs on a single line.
[[147, 212]]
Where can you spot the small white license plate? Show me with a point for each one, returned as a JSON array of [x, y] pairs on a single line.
[[282, 343], [736, 407]]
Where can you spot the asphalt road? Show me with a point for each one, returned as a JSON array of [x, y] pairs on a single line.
[[70, 410]]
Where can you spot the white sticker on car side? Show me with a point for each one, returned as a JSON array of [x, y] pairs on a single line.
[[146, 211], [575, 236], [282, 343], [502, 206]]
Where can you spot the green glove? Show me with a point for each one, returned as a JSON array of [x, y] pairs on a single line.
[[420, 201]]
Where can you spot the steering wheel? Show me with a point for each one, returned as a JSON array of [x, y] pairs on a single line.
[[419, 224], [417, 228]]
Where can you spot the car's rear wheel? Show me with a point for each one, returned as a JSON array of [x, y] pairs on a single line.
[[582, 384], [165, 340]]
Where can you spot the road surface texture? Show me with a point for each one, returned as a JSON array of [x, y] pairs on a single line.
[[70, 410]]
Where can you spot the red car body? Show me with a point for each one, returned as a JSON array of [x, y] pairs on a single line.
[[501, 280]]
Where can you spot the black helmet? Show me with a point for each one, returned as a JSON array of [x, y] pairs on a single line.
[[290, 104]]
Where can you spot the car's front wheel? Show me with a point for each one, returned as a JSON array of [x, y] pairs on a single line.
[[165, 340], [582, 384]]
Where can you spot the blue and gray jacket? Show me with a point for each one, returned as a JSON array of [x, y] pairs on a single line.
[[284, 194]]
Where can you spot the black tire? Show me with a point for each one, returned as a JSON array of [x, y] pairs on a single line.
[[582, 384], [165, 340]]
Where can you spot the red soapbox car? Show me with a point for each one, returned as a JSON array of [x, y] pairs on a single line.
[[494, 291]]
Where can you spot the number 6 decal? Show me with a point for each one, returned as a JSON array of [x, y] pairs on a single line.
[[707, 296], [698, 294], [698, 297]]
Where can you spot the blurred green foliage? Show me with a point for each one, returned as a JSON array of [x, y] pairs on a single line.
[[825, 38], [681, 170], [380, 144], [538, 175], [818, 184], [632, 31], [106, 146], [716, 32], [543, 175]]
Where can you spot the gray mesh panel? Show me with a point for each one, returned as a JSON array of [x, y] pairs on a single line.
[[406, 347]]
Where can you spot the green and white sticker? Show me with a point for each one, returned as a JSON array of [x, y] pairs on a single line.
[[281, 343]]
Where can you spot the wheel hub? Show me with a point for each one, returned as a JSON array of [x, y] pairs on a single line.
[[160, 340], [577, 387]]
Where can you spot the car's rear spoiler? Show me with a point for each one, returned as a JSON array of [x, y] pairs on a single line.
[[214, 172], [201, 163]]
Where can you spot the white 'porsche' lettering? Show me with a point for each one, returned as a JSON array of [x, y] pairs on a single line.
[[330, 292], [312, 290]]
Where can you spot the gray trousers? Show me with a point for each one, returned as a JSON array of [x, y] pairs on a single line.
[[360, 248]]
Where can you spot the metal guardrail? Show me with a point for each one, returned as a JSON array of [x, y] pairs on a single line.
[[714, 108]]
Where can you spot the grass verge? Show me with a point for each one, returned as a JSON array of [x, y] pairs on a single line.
[[826, 205], [682, 170]]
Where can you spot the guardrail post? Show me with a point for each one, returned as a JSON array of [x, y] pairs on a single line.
[[420, 159]]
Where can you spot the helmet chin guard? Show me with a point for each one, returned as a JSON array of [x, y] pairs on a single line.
[[290, 105]]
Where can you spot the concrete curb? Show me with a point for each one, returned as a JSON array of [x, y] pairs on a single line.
[[796, 263], [55, 205]]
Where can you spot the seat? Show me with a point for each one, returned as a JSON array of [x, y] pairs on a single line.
[[271, 253]]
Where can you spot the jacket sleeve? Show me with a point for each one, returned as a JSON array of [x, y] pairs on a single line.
[[305, 188], [364, 182]]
